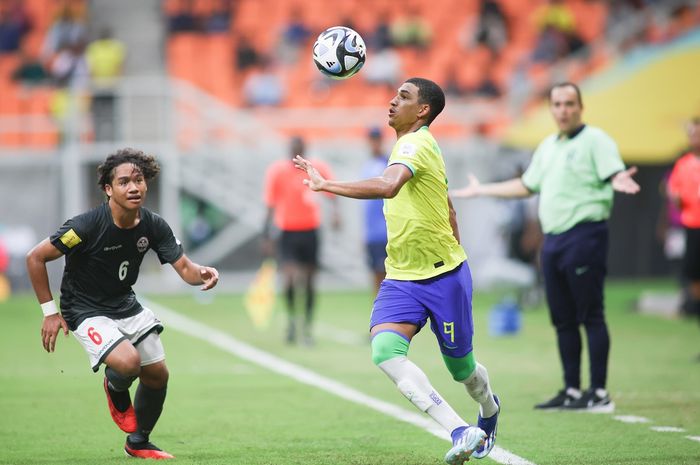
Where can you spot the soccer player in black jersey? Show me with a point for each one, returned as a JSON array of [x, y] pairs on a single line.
[[104, 248]]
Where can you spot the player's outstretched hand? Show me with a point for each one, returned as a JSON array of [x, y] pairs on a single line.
[[210, 276], [49, 331], [470, 190], [315, 181], [623, 182]]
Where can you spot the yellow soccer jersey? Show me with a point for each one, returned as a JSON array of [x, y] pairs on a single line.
[[420, 240]]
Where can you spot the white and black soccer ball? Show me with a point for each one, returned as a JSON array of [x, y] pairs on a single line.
[[339, 52]]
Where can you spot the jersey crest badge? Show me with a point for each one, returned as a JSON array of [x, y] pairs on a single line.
[[142, 244], [407, 149], [70, 239]]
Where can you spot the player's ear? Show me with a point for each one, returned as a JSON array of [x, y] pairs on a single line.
[[108, 189], [424, 110]]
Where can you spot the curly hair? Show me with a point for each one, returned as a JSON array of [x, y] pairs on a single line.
[[146, 164]]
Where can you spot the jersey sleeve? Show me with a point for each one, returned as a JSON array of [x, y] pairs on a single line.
[[166, 245], [606, 157], [532, 177], [407, 152], [72, 236]]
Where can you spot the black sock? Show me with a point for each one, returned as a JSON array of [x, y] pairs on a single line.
[[148, 404], [310, 301], [119, 389]]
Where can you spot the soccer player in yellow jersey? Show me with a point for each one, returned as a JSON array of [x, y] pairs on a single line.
[[427, 275]]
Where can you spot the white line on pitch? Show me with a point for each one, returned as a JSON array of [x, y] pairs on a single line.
[[631, 419], [693, 438], [271, 362]]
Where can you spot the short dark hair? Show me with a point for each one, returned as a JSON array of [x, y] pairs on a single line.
[[567, 84], [430, 93], [146, 164]]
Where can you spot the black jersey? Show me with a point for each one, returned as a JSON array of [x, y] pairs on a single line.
[[103, 261]]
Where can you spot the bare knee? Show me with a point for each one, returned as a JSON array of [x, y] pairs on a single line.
[[155, 376], [125, 360]]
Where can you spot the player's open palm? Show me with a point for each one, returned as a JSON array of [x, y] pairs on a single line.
[[470, 190], [315, 181], [49, 330], [623, 182]]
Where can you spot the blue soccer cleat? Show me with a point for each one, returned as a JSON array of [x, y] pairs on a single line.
[[469, 439], [490, 426]]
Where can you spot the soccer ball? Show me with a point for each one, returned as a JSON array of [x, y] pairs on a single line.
[[339, 52]]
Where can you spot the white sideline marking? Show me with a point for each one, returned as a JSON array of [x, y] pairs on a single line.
[[693, 438], [667, 429], [256, 356], [631, 419]]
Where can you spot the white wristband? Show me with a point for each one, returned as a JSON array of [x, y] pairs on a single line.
[[49, 308]]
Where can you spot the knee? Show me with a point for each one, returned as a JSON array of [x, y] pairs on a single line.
[[387, 345], [129, 366], [155, 376]]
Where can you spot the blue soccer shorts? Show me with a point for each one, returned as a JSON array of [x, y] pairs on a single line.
[[445, 299]]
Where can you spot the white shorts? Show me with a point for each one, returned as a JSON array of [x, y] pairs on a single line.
[[100, 334]]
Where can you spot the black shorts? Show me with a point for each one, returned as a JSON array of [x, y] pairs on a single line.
[[691, 258], [299, 247]]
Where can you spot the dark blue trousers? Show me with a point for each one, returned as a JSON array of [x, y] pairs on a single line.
[[574, 268]]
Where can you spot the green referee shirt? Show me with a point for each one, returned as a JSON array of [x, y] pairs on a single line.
[[572, 174]]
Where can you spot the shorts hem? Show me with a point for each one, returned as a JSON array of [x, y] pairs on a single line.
[[157, 327]]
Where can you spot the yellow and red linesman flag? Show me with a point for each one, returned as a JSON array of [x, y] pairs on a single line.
[[260, 297]]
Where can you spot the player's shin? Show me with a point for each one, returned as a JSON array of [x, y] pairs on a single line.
[[479, 389], [389, 354], [148, 404]]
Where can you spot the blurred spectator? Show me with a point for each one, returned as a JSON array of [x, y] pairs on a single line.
[[14, 24], [246, 54], [29, 72], [489, 28], [67, 30], [380, 37], [105, 58], [384, 68], [219, 19], [264, 86], [374, 222], [182, 18], [294, 37], [69, 68], [411, 30], [557, 37]]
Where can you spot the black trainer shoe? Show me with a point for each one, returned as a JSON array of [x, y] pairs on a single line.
[[561, 400], [145, 450], [594, 401]]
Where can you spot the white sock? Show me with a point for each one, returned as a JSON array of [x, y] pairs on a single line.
[[479, 389], [416, 387]]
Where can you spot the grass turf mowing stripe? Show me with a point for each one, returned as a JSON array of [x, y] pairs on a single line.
[[271, 362]]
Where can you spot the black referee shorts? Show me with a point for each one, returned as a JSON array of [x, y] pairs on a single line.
[[299, 247], [691, 259]]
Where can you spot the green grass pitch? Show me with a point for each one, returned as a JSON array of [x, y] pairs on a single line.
[[224, 410]]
